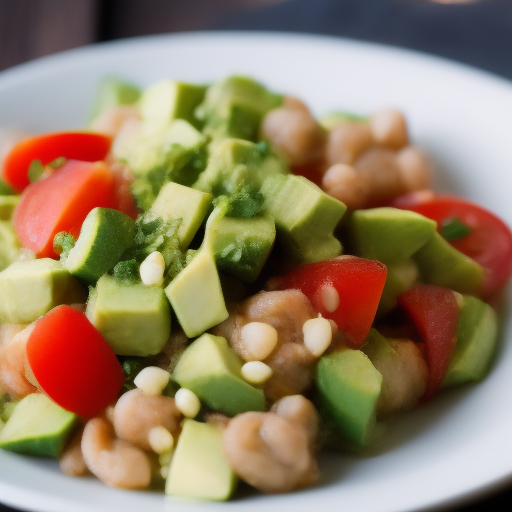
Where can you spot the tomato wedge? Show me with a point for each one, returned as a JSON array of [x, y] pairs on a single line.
[[89, 147], [489, 241], [73, 363], [61, 202], [358, 284], [435, 313]]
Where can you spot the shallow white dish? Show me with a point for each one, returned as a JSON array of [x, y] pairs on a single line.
[[454, 448]]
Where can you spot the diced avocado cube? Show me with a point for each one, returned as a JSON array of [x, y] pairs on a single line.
[[29, 289], [212, 370], [401, 276], [234, 107], [388, 234], [477, 335], [166, 149], [442, 264], [104, 236], [178, 202], [349, 387], [113, 92], [168, 100], [234, 163], [175, 154], [7, 205], [196, 296], [305, 217], [199, 469], [9, 244], [242, 246], [37, 426], [135, 319]]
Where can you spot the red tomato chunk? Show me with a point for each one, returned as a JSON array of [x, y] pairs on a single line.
[[89, 147], [489, 242], [61, 202], [435, 312], [358, 283], [73, 363]]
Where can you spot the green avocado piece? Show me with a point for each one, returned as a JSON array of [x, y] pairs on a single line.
[[196, 296], [348, 388], [305, 217], [199, 469], [337, 117], [401, 276], [241, 246], [174, 154], [179, 202], [29, 289], [113, 92], [234, 163], [389, 234], [168, 100], [442, 264], [104, 236], [234, 107], [9, 244], [212, 370], [7, 205], [477, 335], [135, 319], [37, 426]]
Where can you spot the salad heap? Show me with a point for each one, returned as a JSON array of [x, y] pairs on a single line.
[[211, 285]]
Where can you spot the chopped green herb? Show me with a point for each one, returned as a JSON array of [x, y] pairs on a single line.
[[453, 228], [153, 234], [63, 243], [35, 170], [131, 368], [58, 162], [244, 203]]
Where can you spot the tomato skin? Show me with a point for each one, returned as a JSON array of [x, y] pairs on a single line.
[[435, 313], [312, 172], [89, 147], [359, 283], [490, 240], [61, 202], [73, 363]]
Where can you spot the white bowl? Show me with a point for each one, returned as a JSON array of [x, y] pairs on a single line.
[[452, 449]]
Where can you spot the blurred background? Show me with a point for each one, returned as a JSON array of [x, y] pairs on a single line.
[[478, 33], [474, 32]]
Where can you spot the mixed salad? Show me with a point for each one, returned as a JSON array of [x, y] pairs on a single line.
[[210, 285]]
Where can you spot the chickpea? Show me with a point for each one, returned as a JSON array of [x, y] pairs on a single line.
[[415, 168], [71, 460], [380, 168], [14, 364], [346, 142], [114, 461], [292, 372], [389, 128], [298, 410], [345, 184], [294, 133], [269, 452], [404, 378], [136, 413]]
